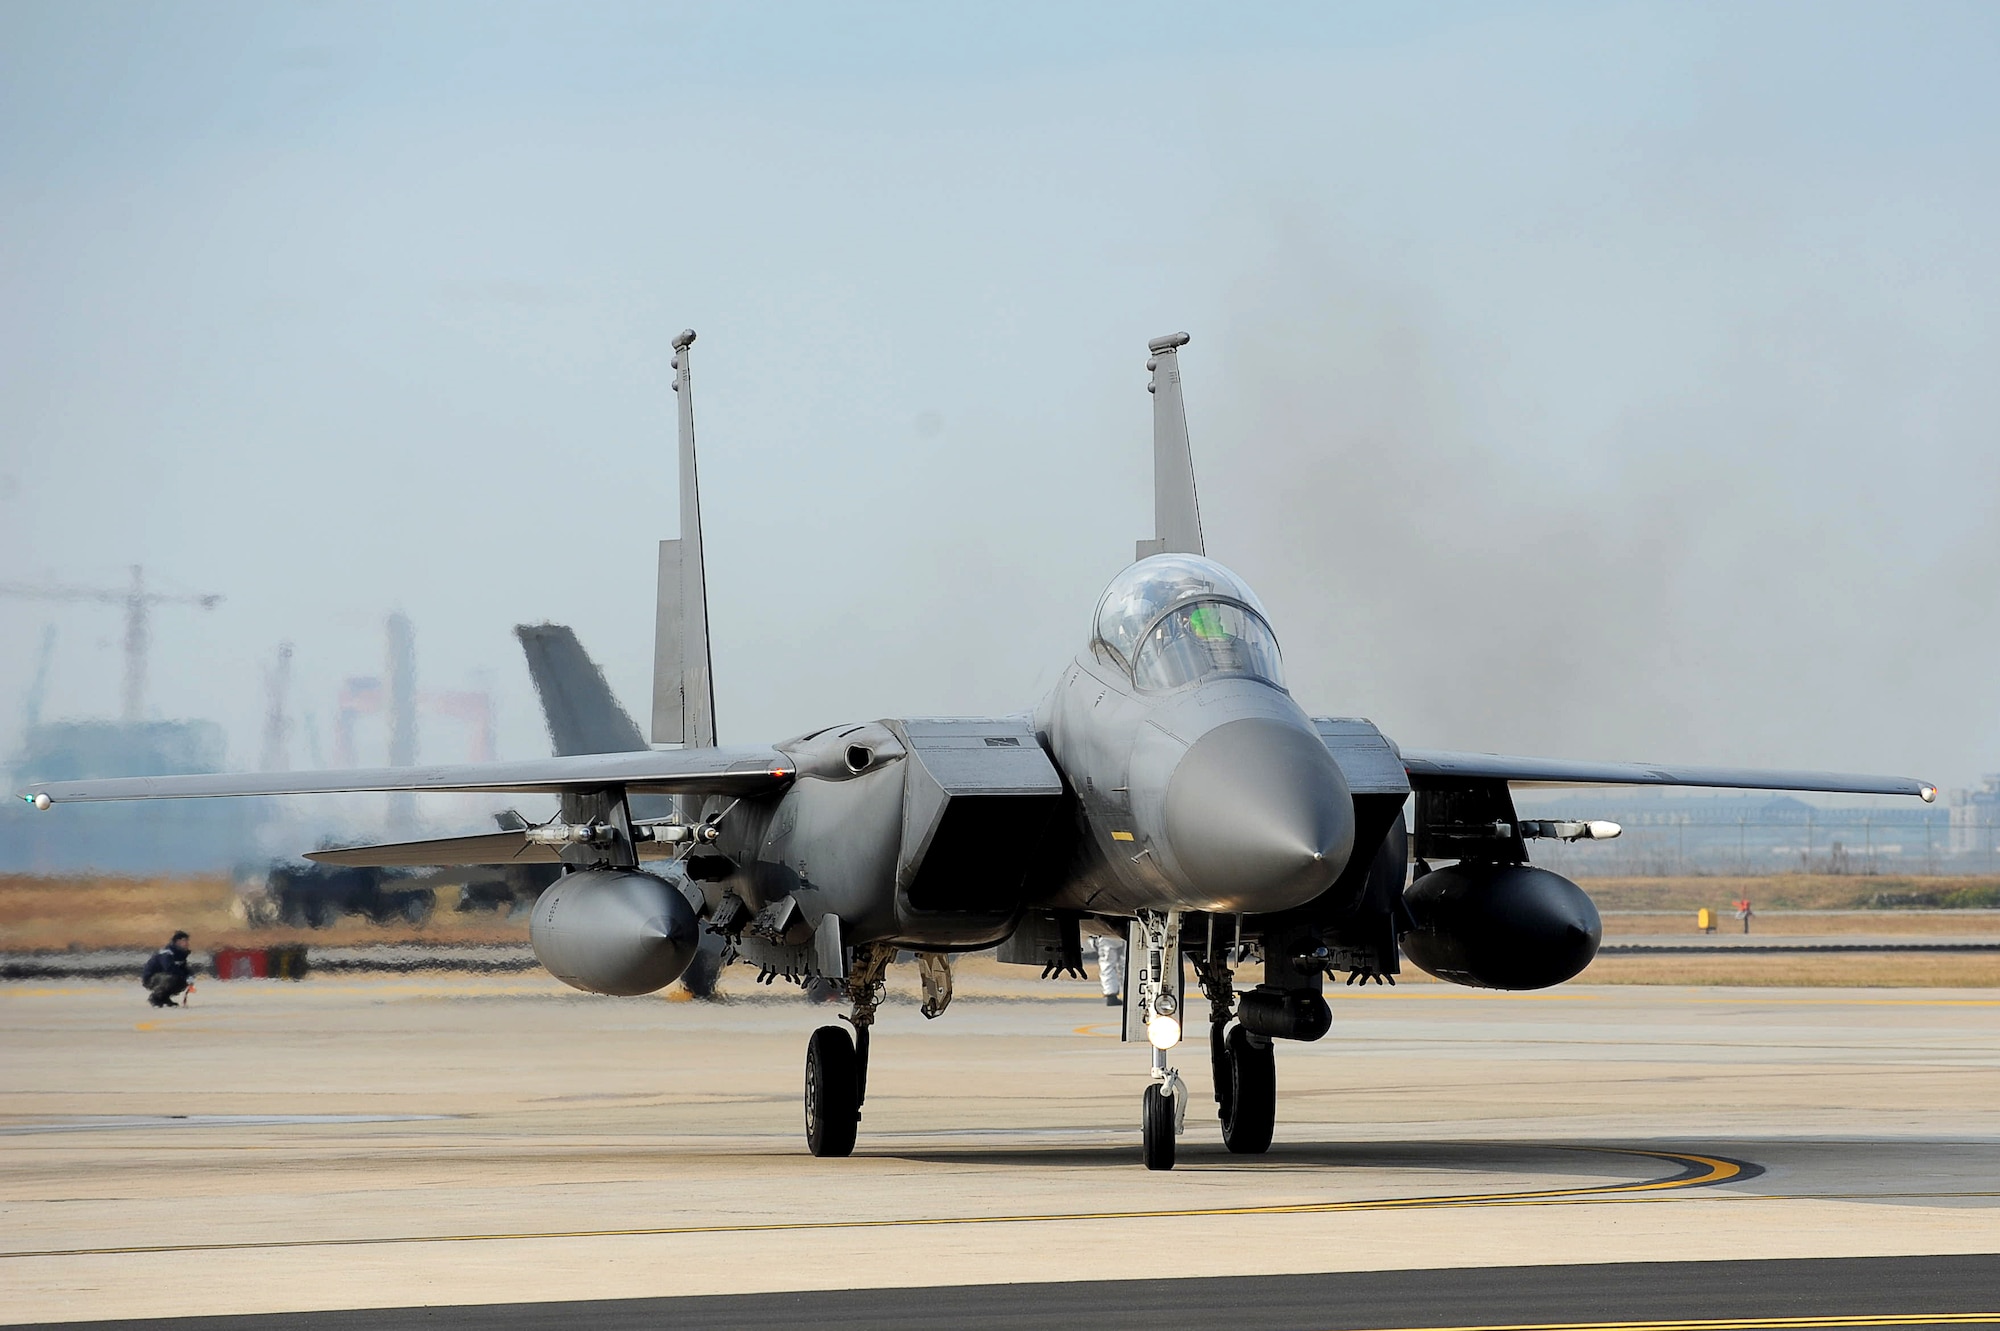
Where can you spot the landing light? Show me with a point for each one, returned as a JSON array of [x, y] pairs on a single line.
[[1928, 794], [1163, 1031]]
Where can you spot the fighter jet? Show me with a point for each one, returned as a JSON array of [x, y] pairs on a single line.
[[1169, 790]]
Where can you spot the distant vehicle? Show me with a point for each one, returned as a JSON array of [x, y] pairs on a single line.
[[506, 889], [314, 896]]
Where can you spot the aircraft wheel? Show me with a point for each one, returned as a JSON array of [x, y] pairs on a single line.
[[1157, 1128], [1219, 1067], [833, 1102], [1253, 1095]]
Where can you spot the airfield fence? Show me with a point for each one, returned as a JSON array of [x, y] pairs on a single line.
[[1666, 844]]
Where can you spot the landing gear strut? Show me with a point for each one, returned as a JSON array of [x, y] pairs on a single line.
[[837, 1063], [1244, 1065], [1154, 989]]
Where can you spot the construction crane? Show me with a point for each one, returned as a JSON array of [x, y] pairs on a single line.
[[31, 706], [138, 603]]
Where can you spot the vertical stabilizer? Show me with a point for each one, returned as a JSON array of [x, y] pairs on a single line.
[[1176, 512], [582, 714], [683, 692]]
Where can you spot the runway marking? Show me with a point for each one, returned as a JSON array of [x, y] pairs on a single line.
[[1697, 1171], [1744, 1323], [134, 1122], [1762, 995]]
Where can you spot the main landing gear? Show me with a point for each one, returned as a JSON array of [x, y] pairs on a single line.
[[1247, 1089], [833, 1091], [837, 1063], [1244, 1066]]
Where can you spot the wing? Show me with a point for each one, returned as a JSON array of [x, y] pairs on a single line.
[[490, 848], [1437, 765], [734, 771]]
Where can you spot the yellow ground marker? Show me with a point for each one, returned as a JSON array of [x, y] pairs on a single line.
[[1711, 1169]]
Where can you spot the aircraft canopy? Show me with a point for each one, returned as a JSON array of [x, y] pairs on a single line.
[[1176, 618]]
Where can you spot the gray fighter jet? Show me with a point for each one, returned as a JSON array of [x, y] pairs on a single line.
[[1169, 789]]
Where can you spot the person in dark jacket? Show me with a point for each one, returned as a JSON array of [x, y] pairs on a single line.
[[166, 973]]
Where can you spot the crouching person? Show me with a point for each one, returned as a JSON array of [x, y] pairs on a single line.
[[167, 971]]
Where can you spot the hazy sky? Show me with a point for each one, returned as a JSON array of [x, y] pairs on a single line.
[[1608, 381]]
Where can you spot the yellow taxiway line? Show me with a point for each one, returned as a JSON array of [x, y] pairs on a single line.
[[1696, 1171]]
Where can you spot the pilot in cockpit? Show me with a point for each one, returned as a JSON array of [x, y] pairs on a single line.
[[1206, 638]]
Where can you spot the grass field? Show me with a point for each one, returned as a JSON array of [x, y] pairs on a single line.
[[1794, 891], [43, 914]]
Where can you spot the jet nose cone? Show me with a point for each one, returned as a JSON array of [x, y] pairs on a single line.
[[1258, 816]]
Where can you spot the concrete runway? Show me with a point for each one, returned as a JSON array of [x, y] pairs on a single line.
[[422, 1141]]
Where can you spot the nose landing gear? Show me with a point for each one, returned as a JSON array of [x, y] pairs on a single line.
[[1162, 1116], [1153, 983]]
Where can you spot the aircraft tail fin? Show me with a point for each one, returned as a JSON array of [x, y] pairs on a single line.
[[683, 689], [1176, 511], [582, 713]]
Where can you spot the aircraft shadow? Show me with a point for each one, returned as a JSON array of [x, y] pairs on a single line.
[[1461, 1160]]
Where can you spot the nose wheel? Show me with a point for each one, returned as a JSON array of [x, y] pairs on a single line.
[[1157, 1120]]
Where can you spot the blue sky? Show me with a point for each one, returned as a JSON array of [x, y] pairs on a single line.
[[1607, 380]]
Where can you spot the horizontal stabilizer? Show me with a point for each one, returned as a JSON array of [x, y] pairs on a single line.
[[495, 848], [1433, 765], [738, 772]]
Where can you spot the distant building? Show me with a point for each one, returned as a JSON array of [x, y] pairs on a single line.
[[140, 837], [1730, 832], [1975, 816]]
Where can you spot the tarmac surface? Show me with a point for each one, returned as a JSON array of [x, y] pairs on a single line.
[[498, 1149]]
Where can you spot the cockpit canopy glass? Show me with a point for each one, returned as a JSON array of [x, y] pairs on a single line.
[[1173, 619]]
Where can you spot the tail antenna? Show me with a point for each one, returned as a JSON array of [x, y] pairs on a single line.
[[683, 685], [1176, 511]]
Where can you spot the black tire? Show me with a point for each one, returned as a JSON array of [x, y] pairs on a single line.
[[1218, 1066], [1253, 1095], [1156, 1126], [833, 1102]]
